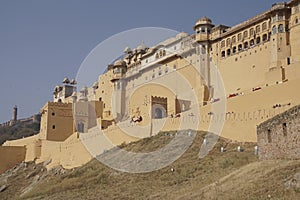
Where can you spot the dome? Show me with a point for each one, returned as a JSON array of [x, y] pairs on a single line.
[[127, 50], [73, 82], [95, 85], [119, 63], [203, 21], [84, 89], [57, 88], [141, 47], [66, 80]]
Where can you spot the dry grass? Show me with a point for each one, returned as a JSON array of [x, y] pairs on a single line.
[[231, 175]]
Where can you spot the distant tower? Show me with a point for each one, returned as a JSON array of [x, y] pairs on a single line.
[[14, 114]]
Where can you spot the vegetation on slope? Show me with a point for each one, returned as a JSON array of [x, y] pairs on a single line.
[[229, 175], [18, 130]]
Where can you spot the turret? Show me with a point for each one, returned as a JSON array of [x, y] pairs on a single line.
[[202, 29], [119, 68], [280, 45]]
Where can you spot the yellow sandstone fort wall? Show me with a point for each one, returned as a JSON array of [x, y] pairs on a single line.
[[10, 156]]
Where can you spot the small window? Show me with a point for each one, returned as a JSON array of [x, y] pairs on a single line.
[[274, 30], [265, 37], [100, 99], [280, 28], [239, 37], [228, 42], [223, 54], [174, 66], [257, 29], [288, 60], [251, 31], [264, 26], [228, 52], [234, 50], [159, 73], [245, 34], [223, 44], [258, 40], [251, 43], [53, 114], [240, 47], [53, 126], [233, 40], [166, 70], [269, 136], [153, 76], [246, 45], [284, 129], [280, 16], [296, 20]]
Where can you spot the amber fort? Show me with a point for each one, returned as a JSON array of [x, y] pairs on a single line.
[[175, 85]]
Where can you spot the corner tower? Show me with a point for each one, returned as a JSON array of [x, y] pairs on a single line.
[[202, 30], [280, 36], [295, 30]]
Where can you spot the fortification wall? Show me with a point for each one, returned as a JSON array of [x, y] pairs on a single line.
[[279, 137], [10, 156], [69, 153]]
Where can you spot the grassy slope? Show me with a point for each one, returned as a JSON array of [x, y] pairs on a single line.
[[19, 130], [230, 175]]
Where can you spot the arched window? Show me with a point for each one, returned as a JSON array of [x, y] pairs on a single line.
[[251, 43], [280, 28], [265, 37], [296, 20], [245, 34], [223, 54], [223, 44], [246, 45], [234, 50], [228, 52], [257, 29], [233, 40], [239, 37], [228, 42], [274, 30], [264, 26], [240, 47], [158, 113], [258, 40], [251, 32], [80, 127]]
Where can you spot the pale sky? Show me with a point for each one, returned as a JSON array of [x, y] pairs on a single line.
[[41, 42]]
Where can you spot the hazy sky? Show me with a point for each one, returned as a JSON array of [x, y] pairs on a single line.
[[41, 42]]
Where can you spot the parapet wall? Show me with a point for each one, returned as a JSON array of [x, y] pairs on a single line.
[[279, 137]]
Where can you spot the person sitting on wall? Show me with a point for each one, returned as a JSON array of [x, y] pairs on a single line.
[[136, 119]]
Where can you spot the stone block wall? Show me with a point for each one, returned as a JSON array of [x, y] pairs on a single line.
[[279, 137]]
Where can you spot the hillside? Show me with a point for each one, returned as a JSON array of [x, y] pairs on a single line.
[[19, 130], [229, 175]]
